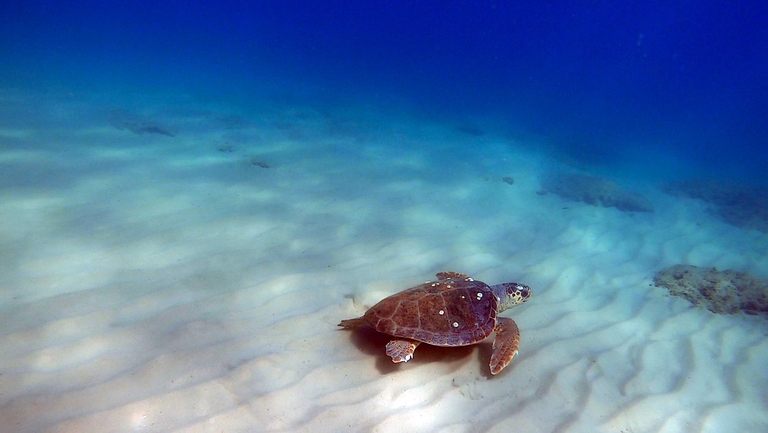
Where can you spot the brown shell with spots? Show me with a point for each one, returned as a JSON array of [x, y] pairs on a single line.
[[449, 312]]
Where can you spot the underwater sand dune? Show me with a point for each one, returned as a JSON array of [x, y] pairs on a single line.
[[189, 290]]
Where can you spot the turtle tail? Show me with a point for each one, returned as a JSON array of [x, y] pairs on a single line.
[[352, 323]]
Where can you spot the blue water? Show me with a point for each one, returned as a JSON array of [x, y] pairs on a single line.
[[194, 193], [637, 86]]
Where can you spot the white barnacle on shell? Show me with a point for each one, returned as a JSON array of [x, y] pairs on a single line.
[[408, 357], [479, 296], [441, 312], [455, 324], [468, 279], [449, 286], [433, 284]]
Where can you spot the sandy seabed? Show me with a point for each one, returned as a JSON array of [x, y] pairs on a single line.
[[192, 281]]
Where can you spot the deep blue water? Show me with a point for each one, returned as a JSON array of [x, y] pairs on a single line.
[[605, 82]]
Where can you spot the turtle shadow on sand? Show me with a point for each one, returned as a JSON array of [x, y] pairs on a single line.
[[372, 342]]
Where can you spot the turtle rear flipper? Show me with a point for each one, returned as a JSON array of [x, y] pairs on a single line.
[[352, 323], [401, 350], [505, 345]]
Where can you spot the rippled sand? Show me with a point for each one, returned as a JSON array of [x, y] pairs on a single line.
[[157, 283]]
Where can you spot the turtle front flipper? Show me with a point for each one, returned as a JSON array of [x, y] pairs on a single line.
[[505, 345], [401, 350]]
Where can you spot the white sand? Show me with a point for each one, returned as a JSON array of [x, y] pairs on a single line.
[[154, 283]]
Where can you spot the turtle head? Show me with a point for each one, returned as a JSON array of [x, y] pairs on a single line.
[[511, 294]]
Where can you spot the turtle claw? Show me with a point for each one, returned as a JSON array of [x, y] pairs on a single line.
[[505, 345], [401, 350]]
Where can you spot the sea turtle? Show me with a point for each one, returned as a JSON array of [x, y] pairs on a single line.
[[455, 310]]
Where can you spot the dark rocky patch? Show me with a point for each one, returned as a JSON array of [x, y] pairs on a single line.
[[737, 204], [149, 127], [508, 180], [596, 191], [121, 119], [260, 163], [726, 292]]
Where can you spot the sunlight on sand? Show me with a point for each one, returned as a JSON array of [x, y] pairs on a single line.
[[160, 283]]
